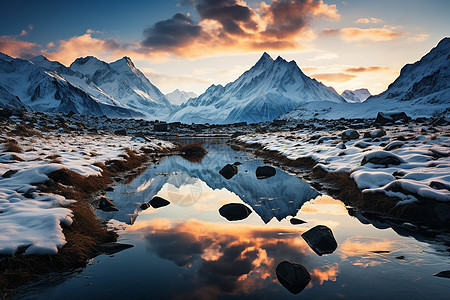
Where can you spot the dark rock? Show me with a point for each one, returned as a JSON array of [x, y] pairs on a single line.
[[111, 248], [445, 274], [120, 132], [234, 211], [349, 134], [278, 122], [295, 221], [293, 276], [382, 158], [158, 202], [9, 173], [161, 127], [5, 113], [384, 118], [109, 189], [265, 172], [321, 240], [144, 206], [236, 134], [394, 145], [362, 145], [228, 171], [400, 257], [440, 122], [439, 185], [237, 163], [106, 205]]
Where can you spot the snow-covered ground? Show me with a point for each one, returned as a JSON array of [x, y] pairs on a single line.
[[31, 219], [410, 162]]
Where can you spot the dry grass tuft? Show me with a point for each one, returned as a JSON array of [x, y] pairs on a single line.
[[12, 146], [25, 130], [192, 152]]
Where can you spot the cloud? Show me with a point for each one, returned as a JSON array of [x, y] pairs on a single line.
[[366, 69], [334, 77], [17, 48], [232, 25], [353, 34], [368, 20], [419, 37], [324, 56]]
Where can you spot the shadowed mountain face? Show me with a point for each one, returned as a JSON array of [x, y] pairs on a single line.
[[264, 92], [276, 197]]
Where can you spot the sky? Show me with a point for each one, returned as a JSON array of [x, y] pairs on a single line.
[[191, 44]]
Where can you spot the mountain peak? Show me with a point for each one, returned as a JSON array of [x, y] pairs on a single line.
[[265, 58], [39, 58]]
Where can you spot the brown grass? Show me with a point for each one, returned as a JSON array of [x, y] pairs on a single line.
[[25, 130], [192, 152], [12, 146]]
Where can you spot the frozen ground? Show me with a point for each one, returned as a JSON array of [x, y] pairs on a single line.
[[409, 162], [31, 220]]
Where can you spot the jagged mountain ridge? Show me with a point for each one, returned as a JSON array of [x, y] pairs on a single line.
[[356, 96], [118, 89], [421, 90], [264, 92], [178, 97]]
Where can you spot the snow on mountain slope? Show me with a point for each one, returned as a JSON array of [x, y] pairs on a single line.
[[43, 89], [178, 97], [264, 92], [356, 96], [9, 100], [422, 89], [124, 83]]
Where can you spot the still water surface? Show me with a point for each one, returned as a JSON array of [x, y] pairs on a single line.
[[187, 250]]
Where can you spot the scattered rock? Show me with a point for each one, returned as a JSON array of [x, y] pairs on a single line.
[[341, 146], [381, 251], [234, 211], [349, 134], [237, 163], [120, 132], [400, 257], [439, 185], [445, 274], [382, 158], [293, 276], [111, 248], [377, 133], [228, 171], [158, 202], [106, 205], [394, 145], [362, 145], [144, 206], [295, 221], [236, 134], [321, 240], [384, 118], [265, 172], [161, 127], [9, 173]]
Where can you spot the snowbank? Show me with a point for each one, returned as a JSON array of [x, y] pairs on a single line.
[[418, 167]]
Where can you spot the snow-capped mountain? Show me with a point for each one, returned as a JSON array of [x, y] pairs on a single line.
[[425, 81], [178, 97], [42, 89], [422, 89], [126, 84], [356, 96], [267, 90], [89, 86]]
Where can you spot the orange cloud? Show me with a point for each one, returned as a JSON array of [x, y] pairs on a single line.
[[17, 48], [366, 69], [368, 20], [353, 34], [334, 77]]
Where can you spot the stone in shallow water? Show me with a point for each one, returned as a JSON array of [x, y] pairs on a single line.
[[293, 276], [321, 240], [144, 206], [158, 202], [445, 274], [265, 172], [295, 221], [228, 171], [234, 211], [106, 205]]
